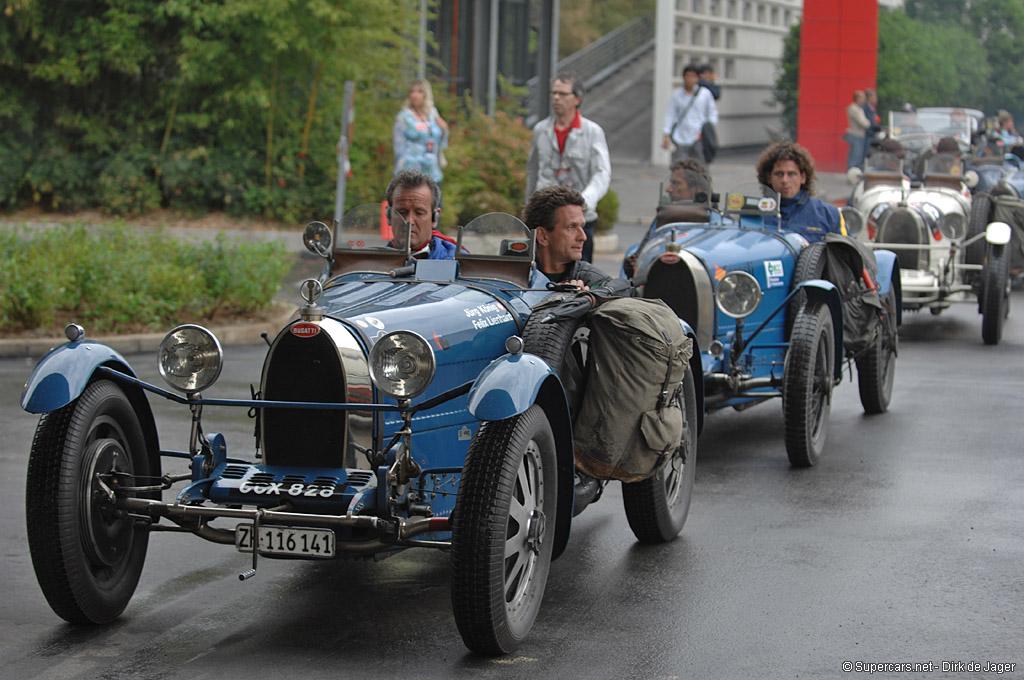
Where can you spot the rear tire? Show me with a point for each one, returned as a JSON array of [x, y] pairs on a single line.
[[876, 368], [657, 507], [502, 531], [995, 294], [807, 384], [87, 554]]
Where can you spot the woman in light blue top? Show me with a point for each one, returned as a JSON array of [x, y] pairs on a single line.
[[420, 133]]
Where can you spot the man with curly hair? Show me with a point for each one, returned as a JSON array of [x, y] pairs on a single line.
[[788, 168]]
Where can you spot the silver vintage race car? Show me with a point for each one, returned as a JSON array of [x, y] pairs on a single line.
[[948, 251]]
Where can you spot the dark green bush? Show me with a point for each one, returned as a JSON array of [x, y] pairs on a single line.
[[119, 279], [607, 211]]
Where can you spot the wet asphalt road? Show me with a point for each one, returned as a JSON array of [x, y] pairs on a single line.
[[905, 544]]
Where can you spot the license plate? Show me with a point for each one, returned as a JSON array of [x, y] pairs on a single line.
[[287, 541]]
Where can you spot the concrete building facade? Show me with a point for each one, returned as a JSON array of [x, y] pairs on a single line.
[[742, 40]]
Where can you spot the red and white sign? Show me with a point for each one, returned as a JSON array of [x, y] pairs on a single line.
[[305, 330]]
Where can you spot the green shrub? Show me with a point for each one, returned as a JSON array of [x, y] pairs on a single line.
[[486, 167], [126, 185], [119, 279], [607, 211]]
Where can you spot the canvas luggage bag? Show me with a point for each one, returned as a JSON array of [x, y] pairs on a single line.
[[631, 417]]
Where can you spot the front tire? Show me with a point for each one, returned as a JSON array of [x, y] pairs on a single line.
[[502, 531], [810, 264], [657, 507], [86, 553], [995, 294], [876, 368], [981, 210], [807, 384]]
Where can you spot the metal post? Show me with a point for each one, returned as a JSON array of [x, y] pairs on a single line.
[[422, 70], [347, 115], [492, 60]]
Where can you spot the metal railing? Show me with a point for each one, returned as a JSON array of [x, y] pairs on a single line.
[[599, 60]]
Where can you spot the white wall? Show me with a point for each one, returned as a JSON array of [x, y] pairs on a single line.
[[743, 40]]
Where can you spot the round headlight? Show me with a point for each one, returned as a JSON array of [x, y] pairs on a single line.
[[401, 364], [190, 358], [953, 226], [738, 294]]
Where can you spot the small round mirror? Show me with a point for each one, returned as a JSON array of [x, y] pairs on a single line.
[[318, 239]]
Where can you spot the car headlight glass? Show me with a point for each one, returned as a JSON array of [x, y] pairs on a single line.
[[738, 294], [953, 226], [402, 364], [190, 358]]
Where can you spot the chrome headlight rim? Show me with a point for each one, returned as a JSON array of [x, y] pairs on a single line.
[[402, 364], [952, 225], [738, 294], [190, 358]]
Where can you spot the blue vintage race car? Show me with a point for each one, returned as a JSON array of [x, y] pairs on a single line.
[[398, 409], [775, 316]]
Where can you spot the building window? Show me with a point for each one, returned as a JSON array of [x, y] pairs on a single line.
[[787, 18], [697, 35], [714, 37], [731, 11], [730, 39], [760, 14], [715, 8], [698, 6], [730, 69], [775, 16], [747, 16]]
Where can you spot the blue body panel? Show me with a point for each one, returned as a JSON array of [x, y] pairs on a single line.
[[61, 375]]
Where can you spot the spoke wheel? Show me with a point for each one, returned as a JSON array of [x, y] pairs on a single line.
[[807, 384], [995, 294], [87, 554], [876, 368], [502, 531], [657, 507]]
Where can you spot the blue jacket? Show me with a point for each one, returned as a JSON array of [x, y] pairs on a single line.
[[809, 217]]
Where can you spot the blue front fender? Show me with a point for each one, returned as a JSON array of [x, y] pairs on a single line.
[[508, 386], [825, 291], [60, 377]]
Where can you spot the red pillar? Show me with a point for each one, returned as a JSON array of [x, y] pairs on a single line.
[[838, 54]]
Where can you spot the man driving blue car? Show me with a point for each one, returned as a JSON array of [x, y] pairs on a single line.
[[788, 168]]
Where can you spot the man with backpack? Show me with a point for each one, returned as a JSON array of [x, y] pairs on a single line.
[[689, 108]]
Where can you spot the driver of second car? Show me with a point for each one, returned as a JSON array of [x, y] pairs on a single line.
[[416, 197], [788, 168], [555, 213]]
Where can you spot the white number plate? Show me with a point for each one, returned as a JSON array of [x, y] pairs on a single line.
[[287, 541]]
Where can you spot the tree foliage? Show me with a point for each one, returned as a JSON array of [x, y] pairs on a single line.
[[929, 64], [787, 83], [581, 22], [936, 53], [198, 105]]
